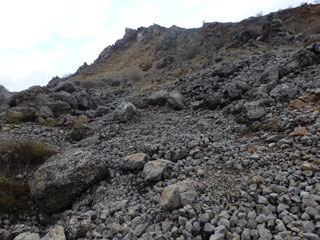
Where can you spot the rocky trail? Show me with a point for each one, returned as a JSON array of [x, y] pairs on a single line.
[[230, 151]]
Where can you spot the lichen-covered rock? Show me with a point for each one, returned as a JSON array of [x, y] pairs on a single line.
[[124, 112], [64, 176]]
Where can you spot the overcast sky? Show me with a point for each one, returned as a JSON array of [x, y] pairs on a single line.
[[41, 39]]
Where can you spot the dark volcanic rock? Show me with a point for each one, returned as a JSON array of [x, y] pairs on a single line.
[[80, 131], [64, 176], [124, 112]]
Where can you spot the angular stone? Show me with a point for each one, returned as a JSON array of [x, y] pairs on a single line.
[[178, 194], [134, 162], [124, 112], [56, 233], [154, 170]]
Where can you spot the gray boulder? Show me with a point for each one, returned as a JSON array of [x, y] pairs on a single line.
[[178, 194], [65, 97], [154, 170], [27, 236], [55, 233], [45, 112], [64, 176], [212, 101], [134, 162], [124, 112], [81, 131], [59, 107], [233, 91], [158, 98], [254, 110], [175, 100], [65, 86]]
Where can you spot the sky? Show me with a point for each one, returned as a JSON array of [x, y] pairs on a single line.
[[41, 39]]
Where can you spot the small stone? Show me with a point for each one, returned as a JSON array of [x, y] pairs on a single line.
[[308, 226], [261, 218], [208, 228], [265, 234]]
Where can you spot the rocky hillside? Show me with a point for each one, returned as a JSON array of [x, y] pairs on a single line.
[[209, 133]]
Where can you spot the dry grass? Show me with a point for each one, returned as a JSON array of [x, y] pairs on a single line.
[[13, 196], [13, 117], [18, 156]]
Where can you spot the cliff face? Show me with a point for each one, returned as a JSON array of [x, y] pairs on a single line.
[[209, 133], [163, 54]]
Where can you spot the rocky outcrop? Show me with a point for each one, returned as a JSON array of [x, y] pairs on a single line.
[[70, 172]]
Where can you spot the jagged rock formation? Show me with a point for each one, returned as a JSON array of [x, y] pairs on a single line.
[[223, 144]]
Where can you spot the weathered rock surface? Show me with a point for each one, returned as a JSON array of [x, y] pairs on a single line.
[[179, 194], [71, 172], [154, 170], [124, 112]]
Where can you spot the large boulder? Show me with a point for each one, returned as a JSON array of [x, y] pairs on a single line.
[[255, 110], [158, 98], [175, 100], [64, 176], [65, 97], [178, 194], [154, 170], [65, 86], [124, 112], [134, 162], [212, 101], [59, 107]]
